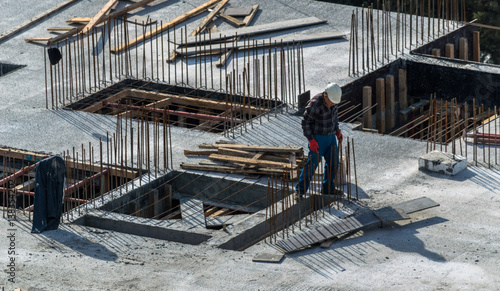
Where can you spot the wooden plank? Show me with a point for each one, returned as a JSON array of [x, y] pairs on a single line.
[[192, 212], [205, 21], [23, 155], [166, 26], [113, 98], [322, 233], [184, 100], [220, 212], [57, 29], [36, 19], [223, 169], [97, 18], [26, 186], [255, 148], [117, 13], [233, 20], [37, 39], [252, 14], [247, 161], [210, 211], [247, 154], [260, 29], [243, 45], [78, 20]]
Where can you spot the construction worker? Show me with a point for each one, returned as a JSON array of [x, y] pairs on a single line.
[[320, 125]]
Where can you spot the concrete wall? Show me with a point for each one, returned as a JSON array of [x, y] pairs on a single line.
[[449, 82]]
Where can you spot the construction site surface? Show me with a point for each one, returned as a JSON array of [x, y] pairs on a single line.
[[179, 124]]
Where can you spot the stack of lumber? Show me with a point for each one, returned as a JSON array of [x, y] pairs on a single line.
[[248, 159]]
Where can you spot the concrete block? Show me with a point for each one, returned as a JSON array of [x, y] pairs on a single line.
[[443, 163]]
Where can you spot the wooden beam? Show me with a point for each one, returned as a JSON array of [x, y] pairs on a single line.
[[224, 169], [166, 26], [57, 29], [184, 100], [36, 19], [77, 20], [113, 98], [205, 21], [105, 18], [255, 148], [289, 39], [248, 161], [232, 20], [260, 29], [97, 18], [37, 39]]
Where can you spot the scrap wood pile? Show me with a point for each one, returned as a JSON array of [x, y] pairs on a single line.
[[248, 159]]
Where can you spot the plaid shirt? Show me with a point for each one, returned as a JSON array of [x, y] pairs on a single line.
[[319, 119]]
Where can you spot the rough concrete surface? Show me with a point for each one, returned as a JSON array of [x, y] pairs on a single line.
[[451, 247]]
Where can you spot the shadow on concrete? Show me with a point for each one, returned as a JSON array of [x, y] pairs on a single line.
[[352, 249], [487, 178], [460, 177], [92, 126], [81, 244]]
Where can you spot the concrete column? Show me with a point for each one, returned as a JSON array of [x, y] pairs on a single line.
[[380, 91], [463, 50], [367, 102], [389, 98], [476, 47], [449, 51], [403, 91], [436, 52]]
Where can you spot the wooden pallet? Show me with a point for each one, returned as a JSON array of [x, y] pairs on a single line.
[[249, 159]]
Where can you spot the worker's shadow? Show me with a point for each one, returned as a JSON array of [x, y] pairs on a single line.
[[80, 244], [353, 248]]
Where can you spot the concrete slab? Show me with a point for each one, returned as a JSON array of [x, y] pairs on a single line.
[[442, 163]]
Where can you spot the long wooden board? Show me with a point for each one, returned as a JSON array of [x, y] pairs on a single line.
[[99, 16], [36, 19], [256, 148], [259, 29], [289, 39], [247, 161], [166, 26]]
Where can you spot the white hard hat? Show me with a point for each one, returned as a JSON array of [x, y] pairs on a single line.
[[334, 92]]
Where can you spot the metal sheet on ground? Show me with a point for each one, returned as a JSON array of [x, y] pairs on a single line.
[[268, 258], [325, 232], [415, 205], [389, 213]]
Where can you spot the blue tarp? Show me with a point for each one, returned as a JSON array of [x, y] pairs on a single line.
[[49, 192]]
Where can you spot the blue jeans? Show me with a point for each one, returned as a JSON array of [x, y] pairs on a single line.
[[327, 149]]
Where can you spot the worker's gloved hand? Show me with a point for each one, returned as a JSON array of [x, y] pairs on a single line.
[[339, 135], [313, 145]]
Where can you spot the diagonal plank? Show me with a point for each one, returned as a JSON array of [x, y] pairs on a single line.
[[116, 13], [209, 18], [99, 16], [165, 26]]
